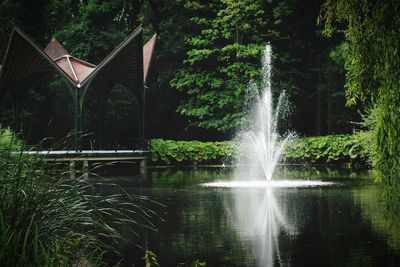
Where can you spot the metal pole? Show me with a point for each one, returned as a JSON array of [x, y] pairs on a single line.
[[102, 99], [78, 119], [1, 102], [17, 111], [81, 120], [141, 121]]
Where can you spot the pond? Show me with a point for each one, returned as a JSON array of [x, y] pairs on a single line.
[[338, 225]]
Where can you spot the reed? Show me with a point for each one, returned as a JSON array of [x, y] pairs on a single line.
[[49, 219]]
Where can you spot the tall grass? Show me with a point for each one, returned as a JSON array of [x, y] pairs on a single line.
[[49, 219]]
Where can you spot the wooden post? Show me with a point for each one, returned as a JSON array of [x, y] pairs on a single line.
[[72, 169], [85, 169], [143, 166]]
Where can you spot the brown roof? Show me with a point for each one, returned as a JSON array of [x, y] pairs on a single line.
[[123, 65], [148, 50], [25, 62], [76, 69], [55, 50]]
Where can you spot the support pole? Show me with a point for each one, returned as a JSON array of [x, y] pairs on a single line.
[[100, 128], [78, 118], [102, 99], [1, 103], [85, 169], [141, 122], [143, 166], [17, 111], [72, 169]]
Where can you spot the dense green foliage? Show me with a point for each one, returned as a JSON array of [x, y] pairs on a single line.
[[8, 140], [329, 149], [48, 218], [91, 35], [222, 57], [206, 54], [190, 152], [223, 50], [372, 62], [333, 149]]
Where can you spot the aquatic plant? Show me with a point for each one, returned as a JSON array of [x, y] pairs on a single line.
[[48, 218]]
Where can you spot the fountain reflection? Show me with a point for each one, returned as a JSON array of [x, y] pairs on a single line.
[[260, 220], [254, 210]]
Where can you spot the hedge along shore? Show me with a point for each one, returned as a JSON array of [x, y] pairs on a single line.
[[346, 150]]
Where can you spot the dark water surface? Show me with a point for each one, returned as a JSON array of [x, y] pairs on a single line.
[[340, 225]]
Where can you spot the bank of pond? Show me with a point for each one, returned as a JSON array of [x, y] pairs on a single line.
[[168, 218], [344, 150]]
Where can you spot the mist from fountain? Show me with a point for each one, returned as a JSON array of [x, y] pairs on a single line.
[[255, 212], [260, 145], [258, 216]]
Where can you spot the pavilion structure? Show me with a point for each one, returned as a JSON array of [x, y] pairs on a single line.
[[128, 64]]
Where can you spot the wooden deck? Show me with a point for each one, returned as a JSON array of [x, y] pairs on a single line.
[[88, 156], [92, 155]]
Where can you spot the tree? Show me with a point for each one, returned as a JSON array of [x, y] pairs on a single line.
[[98, 27], [372, 62], [8, 18], [223, 53], [223, 56], [169, 19], [206, 53]]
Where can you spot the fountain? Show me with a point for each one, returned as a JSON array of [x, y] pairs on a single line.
[[255, 211], [260, 145]]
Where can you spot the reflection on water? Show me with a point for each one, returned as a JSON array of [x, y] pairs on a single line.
[[381, 216], [269, 184], [259, 219], [244, 227]]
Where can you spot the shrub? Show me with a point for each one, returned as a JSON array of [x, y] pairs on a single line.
[[331, 149], [191, 152], [8, 140]]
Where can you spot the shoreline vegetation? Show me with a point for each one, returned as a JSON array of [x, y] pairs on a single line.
[[48, 218], [342, 150]]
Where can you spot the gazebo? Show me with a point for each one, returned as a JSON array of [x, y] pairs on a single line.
[[128, 64]]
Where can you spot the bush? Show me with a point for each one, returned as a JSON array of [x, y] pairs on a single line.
[[8, 140], [332, 149], [191, 152]]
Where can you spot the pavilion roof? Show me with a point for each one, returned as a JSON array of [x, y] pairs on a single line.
[[123, 65], [127, 64], [24, 62], [148, 50], [55, 49]]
